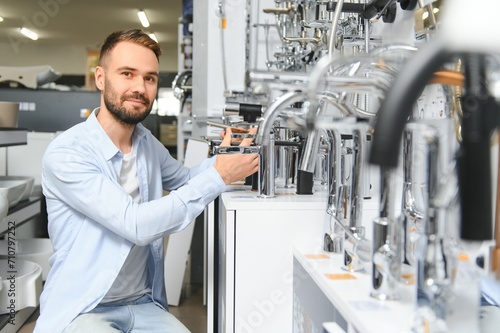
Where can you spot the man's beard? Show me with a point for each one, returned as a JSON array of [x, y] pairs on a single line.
[[119, 111]]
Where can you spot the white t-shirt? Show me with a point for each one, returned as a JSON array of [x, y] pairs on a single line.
[[132, 281]]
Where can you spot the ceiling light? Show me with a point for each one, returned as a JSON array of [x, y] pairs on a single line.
[[153, 37], [1, 19], [143, 18], [28, 33]]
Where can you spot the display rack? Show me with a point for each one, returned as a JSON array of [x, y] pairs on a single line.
[[20, 213]]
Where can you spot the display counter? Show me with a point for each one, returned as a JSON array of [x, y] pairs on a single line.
[[324, 292]]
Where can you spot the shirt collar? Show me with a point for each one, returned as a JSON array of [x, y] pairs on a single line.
[[107, 146]]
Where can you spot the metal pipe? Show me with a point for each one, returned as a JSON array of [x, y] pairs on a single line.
[[266, 169], [333, 28], [284, 77], [333, 238], [358, 170], [367, 36], [386, 265], [412, 210], [433, 265], [309, 155], [409, 205], [354, 194], [334, 172]]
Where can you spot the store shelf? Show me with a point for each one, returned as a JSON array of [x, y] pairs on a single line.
[[13, 136], [12, 324], [21, 213], [320, 283]]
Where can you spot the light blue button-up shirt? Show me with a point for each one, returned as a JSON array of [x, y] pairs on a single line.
[[93, 223]]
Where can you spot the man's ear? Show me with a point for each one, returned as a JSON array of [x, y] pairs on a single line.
[[99, 77]]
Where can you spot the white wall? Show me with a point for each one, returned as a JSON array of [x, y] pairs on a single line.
[[68, 59]]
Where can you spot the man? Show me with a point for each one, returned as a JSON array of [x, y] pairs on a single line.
[[103, 181]]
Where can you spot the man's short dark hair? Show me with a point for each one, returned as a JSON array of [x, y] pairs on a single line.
[[136, 36]]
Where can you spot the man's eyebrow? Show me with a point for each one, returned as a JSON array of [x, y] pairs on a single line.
[[126, 68], [131, 69]]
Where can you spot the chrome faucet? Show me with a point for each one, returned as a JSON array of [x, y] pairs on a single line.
[[267, 163], [386, 266], [414, 196], [266, 140]]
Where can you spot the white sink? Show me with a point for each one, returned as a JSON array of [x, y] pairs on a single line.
[[13, 190], [21, 285], [30, 184], [37, 250]]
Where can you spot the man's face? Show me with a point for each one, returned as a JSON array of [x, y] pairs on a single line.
[[130, 82]]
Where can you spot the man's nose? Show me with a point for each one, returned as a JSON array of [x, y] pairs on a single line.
[[139, 85]]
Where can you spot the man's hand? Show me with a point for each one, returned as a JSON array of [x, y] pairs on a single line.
[[234, 167]]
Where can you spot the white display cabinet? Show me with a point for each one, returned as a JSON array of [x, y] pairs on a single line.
[[253, 265]]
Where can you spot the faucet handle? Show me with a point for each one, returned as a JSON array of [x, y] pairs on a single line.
[[237, 150], [243, 136]]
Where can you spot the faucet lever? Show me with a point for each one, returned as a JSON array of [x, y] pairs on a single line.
[[237, 150]]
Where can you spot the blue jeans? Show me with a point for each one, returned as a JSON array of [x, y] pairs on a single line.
[[139, 316]]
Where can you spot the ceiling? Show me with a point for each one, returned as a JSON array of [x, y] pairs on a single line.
[[86, 22]]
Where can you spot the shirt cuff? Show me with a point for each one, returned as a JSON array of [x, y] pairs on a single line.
[[209, 183]]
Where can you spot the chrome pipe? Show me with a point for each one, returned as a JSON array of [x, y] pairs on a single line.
[[412, 209], [386, 261], [310, 153], [333, 238], [433, 260], [386, 265], [334, 172], [358, 170], [267, 163], [333, 29], [350, 192], [283, 77]]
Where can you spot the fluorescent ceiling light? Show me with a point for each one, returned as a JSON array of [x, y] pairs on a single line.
[[28, 33], [143, 18], [153, 37]]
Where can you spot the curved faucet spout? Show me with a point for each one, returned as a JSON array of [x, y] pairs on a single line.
[[272, 113], [284, 101]]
